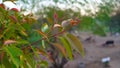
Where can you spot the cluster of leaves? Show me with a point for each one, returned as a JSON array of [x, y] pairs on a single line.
[[93, 22], [21, 46]]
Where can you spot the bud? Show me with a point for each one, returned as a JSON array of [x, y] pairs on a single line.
[[66, 23], [55, 16], [56, 29]]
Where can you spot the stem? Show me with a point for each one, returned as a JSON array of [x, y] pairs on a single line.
[[50, 36]]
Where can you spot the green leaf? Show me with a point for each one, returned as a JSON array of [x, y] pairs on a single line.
[[30, 62], [22, 42], [33, 36], [14, 54], [6, 62], [43, 43], [21, 61], [43, 64], [9, 32], [35, 52], [75, 43], [67, 47], [44, 27], [26, 26]]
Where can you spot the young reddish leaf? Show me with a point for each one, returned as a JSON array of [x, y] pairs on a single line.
[[15, 9], [2, 6], [73, 22], [41, 33], [13, 18], [9, 42], [55, 15], [60, 48]]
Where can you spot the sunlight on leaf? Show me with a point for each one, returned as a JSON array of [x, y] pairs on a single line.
[[67, 47], [43, 44], [44, 27], [23, 33], [74, 41]]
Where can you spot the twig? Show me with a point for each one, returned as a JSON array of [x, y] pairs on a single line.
[[46, 38]]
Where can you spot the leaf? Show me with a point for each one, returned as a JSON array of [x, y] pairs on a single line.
[[49, 20], [75, 43], [43, 43], [35, 52], [41, 33], [14, 54], [43, 64], [22, 42], [33, 36], [40, 51], [57, 29], [9, 31], [60, 48], [23, 33], [6, 62], [26, 26], [57, 25], [44, 27], [21, 61], [67, 47], [30, 62], [9, 42]]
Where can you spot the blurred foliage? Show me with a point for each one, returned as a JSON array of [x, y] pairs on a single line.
[[32, 42], [24, 46]]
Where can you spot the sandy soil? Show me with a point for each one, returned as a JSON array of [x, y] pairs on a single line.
[[94, 52]]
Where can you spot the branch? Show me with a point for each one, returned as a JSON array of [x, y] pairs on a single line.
[[50, 37]]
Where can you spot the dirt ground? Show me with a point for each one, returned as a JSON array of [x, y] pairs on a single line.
[[94, 52]]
